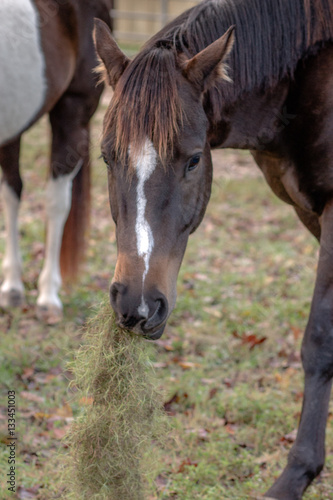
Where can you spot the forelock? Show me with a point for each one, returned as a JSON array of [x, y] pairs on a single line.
[[146, 104]]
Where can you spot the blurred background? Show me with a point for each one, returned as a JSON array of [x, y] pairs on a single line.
[[136, 20]]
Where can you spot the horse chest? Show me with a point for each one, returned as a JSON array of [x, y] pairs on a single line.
[[282, 178], [22, 67]]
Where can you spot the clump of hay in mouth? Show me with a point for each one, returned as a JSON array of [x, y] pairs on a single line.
[[110, 443]]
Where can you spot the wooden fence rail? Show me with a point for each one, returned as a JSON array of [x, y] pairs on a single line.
[[137, 20]]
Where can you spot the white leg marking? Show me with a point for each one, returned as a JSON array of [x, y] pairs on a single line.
[[12, 263], [22, 75], [145, 166], [59, 197]]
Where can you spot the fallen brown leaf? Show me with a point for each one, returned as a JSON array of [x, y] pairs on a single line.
[[251, 339], [289, 438], [212, 392], [187, 365], [231, 429], [31, 396], [27, 373], [41, 416], [24, 493], [86, 401], [186, 463], [59, 433]]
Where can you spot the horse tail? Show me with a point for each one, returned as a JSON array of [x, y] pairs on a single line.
[[75, 231]]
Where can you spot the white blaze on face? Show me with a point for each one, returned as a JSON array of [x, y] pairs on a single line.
[[145, 165], [22, 67]]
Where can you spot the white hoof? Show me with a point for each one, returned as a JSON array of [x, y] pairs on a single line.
[[49, 314], [11, 298]]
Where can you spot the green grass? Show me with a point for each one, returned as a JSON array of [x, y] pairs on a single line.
[[110, 444], [248, 270]]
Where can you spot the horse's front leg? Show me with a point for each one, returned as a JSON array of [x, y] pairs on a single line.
[[307, 456], [12, 290], [58, 204], [70, 144]]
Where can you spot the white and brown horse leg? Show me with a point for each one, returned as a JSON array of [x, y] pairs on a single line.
[[12, 290], [70, 146], [58, 203], [307, 456]]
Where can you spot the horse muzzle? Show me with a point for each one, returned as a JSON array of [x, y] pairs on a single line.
[[145, 315]]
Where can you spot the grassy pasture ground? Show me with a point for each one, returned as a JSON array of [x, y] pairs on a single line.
[[229, 360]]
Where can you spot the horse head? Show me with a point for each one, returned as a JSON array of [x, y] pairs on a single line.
[[159, 168]]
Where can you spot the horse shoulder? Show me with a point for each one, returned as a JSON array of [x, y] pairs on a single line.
[[307, 139], [282, 177]]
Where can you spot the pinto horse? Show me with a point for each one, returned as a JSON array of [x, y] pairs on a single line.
[[250, 74], [47, 59]]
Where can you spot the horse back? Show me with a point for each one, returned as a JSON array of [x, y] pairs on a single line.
[[46, 49], [23, 87], [67, 43]]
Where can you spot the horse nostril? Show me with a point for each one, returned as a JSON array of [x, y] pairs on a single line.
[[162, 308], [116, 290], [159, 315]]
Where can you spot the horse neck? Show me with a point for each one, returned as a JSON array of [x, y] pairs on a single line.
[[238, 113], [253, 120]]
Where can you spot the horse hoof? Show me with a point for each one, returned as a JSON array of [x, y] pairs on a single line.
[[11, 298], [51, 315], [265, 497], [282, 495]]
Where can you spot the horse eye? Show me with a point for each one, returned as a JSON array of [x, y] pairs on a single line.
[[193, 162], [103, 156]]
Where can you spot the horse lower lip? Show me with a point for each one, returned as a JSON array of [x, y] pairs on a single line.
[[155, 335]]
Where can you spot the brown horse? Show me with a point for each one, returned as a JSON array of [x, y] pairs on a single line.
[[181, 96], [46, 66]]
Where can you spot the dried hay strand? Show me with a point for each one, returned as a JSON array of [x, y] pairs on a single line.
[[110, 444]]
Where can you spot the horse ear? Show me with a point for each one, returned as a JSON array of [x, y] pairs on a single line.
[[208, 65], [114, 60]]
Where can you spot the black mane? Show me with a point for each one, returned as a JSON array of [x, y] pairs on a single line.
[[272, 36]]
